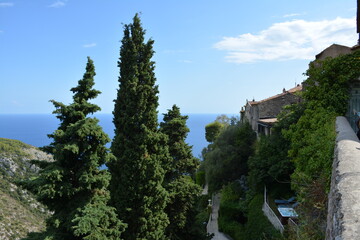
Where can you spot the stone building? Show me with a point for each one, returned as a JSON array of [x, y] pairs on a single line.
[[262, 114], [333, 51]]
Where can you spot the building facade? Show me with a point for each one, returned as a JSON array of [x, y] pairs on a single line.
[[263, 114]]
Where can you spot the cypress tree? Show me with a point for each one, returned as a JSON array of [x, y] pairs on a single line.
[[72, 186], [139, 147], [182, 189]]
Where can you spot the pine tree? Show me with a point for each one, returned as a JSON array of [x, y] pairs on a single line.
[[139, 148], [182, 190], [72, 186]]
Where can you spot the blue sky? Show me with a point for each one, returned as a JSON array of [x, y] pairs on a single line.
[[210, 55]]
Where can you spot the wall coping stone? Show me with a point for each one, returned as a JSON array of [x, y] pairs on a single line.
[[343, 220]]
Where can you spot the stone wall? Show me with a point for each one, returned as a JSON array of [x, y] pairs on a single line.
[[268, 108], [272, 107], [252, 115], [343, 220], [271, 216], [333, 51]]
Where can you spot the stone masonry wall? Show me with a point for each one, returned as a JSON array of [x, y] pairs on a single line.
[[343, 220], [272, 107]]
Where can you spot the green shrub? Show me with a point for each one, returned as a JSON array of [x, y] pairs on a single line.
[[10, 147], [231, 213], [312, 137], [200, 178], [258, 226], [312, 147], [226, 159]]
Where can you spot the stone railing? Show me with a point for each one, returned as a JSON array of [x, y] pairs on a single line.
[[343, 220]]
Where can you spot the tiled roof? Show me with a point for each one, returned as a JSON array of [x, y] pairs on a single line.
[[291, 90]]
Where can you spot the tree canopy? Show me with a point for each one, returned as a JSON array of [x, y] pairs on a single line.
[[182, 189], [140, 149], [72, 186]]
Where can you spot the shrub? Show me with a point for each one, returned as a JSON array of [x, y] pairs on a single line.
[[200, 178]]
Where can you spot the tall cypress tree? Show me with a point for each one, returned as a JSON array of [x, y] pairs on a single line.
[[73, 187], [182, 189], [139, 147]]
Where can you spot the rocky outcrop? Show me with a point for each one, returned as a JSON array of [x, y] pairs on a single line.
[[15, 157], [20, 213]]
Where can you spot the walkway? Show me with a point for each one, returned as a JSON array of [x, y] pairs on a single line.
[[212, 226], [205, 190]]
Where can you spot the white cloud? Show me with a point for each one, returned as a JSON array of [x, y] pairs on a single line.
[[6, 4], [296, 39], [292, 15], [58, 4], [89, 45]]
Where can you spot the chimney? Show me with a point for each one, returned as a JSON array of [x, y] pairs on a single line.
[[242, 115]]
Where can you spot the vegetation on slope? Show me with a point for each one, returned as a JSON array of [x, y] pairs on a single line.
[[299, 153], [20, 212], [312, 137], [225, 159]]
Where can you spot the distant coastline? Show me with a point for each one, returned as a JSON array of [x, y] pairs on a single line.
[[34, 128]]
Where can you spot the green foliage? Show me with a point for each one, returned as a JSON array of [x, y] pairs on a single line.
[[271, 164], [258, 226], [232, 228], [226, 159], [312, 143], [312, 137], [212, 131], [327, 85], [243, 218], [182, 190], [10, 147], [73, 187], [183, 193], [200, 178], [183, 162], [140, 149], [326, 95], [232, 211], [197, 229], [225, 120]]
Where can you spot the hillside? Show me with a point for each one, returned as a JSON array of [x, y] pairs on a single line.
[[19, 211]]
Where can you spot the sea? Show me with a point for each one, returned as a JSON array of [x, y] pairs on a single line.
[[34, 128]]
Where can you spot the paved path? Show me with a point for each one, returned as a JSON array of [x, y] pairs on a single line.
[[212, 226], [205, 190]]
